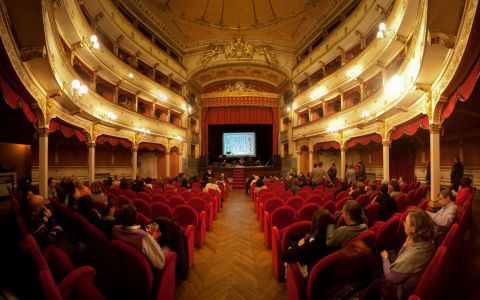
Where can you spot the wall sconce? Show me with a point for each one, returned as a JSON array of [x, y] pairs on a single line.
[[289, 108], [332, 129], [144, 130], [78, 88], [130, 75], [354, 72], [382, 31], [365, 115], [178, 138], [110, 117], [189, 108], [94, 41], [395, 86]]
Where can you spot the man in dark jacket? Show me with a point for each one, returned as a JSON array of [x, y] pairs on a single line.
[[456, 173]]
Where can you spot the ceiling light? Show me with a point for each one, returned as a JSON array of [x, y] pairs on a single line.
[[395, 86], [380, 35], [96, 45], [94, 39], [83, 90], [130, 75], [382, 26]]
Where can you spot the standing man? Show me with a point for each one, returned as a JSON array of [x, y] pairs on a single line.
[[332, 173], [456, 173], [318, 173], [207, 175]]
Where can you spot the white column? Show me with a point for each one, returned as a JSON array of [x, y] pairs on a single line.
[[180, 160], [134, 162], [299, 155], [343, 151], [43, 161], [91, 162], [310, 161], [167, 163], [434, 164], [386, 160]]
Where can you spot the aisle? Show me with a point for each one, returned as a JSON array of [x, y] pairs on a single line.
[[234, 262]]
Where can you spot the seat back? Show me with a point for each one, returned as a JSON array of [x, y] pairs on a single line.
[[130, 194], [337, 271], [315, 198], [372, 211], [363, 200], [330, 206], [143, 207], [139, 282], [272, 204], [185, 215], [187, 195], [283, 216], [160, 209], [122, 200], [296, 202], [433, 281], [385, 238], [206, 196], [306, 212], [58, 261], [373, 195], [341, 195], [174, 201], [143, 220], [303, 193], [145, 196], [284, 195], [199, 204], [411, 198], [423, 204], [367, 237], [402, 203], [339, 204], [159, 198], [328, 196], [170, 193]]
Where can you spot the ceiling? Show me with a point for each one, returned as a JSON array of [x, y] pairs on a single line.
[[198, 22]]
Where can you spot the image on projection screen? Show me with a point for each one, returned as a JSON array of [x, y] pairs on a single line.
[[239, 144]]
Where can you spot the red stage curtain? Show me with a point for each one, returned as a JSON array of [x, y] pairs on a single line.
[[174, 162], [402, 161], [240, 115], [113, 141], [161, 165], [365, 140], [67, 130], [464, 91]]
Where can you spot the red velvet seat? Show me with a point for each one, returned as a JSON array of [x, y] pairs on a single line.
[[296, 202], [330, 206], [170, 193], [284, 195], [199, 204], [143, 207], [339, 204], [294, 231], [363, 200], [411, 198], [306, 212], [58, 262], [270, 205], [116, 190], [341, 195], [260, 201], [130, 194], [401, 202], [373, 194], [187, 195], [159, 198], [280, 217], [423, 204], [143, 220], [367, 237], [303, 194], [435, 280], [174, 201], [209, 198], [142, 282], [185, 215], [160, 209], [122, 200], [386, 236], [196, 190], [315, 198], [372, 210]]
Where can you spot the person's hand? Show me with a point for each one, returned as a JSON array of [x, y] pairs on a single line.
[[57, 228], [47, 213], [301, 242], [384, 254]]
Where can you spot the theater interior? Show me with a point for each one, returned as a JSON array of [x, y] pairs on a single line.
[[156, 104]]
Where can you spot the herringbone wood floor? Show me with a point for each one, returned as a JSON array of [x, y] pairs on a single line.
[[234, 262]]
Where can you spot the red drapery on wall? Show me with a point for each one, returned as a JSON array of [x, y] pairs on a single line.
[[402, 161], [410, 128], [365, 140], [67, 131], [14, 100], [240, 115], [174, 162], [151, 147], [113, 141], [325, 146], [464, 91]]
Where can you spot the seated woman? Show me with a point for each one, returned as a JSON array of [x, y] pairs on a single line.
[[359, 189], [404, 273], [259, 186], [464, 191], [97, 193], [310, 249], [388, 206]]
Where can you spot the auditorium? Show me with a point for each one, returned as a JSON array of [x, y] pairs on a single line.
[[263, 149]]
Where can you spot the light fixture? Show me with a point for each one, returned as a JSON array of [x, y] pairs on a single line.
[[289, 108], [111, 116], [94, 41], [395, 86], [144, 130], [332, 129], [130, 75], [163, 97], [178, 138], [189, 109], [365, 115], [79, 89], [317, 93], [354, 72], [382, 30]]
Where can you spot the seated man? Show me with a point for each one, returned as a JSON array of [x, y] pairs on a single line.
[[353, 215], [40, 222], [129, 232], [446, 216]]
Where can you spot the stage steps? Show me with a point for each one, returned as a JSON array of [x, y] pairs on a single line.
[[238, 179]]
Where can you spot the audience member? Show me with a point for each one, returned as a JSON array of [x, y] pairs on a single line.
[[212, 185], [208, 174], [86, 209], [394, 189], [70, 194], [358, 190], [295, 187], [148, 183], [361, 173], [310, 249], [129, 232], [40, 222], [97, 193], [318, 174], [403, 274], [343, 187], [52, 192], [456, 173], [123, 183], [332, 173], [81, 189], [388, 205], [259, 186], [464, 190], [371, 187], [401, 182], [444, 218], [353, 215], [350, 174], [115, 180]]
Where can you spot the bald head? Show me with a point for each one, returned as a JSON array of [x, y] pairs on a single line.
[[36, 202]]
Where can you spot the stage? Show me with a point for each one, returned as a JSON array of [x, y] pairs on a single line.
[[248, 170]]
